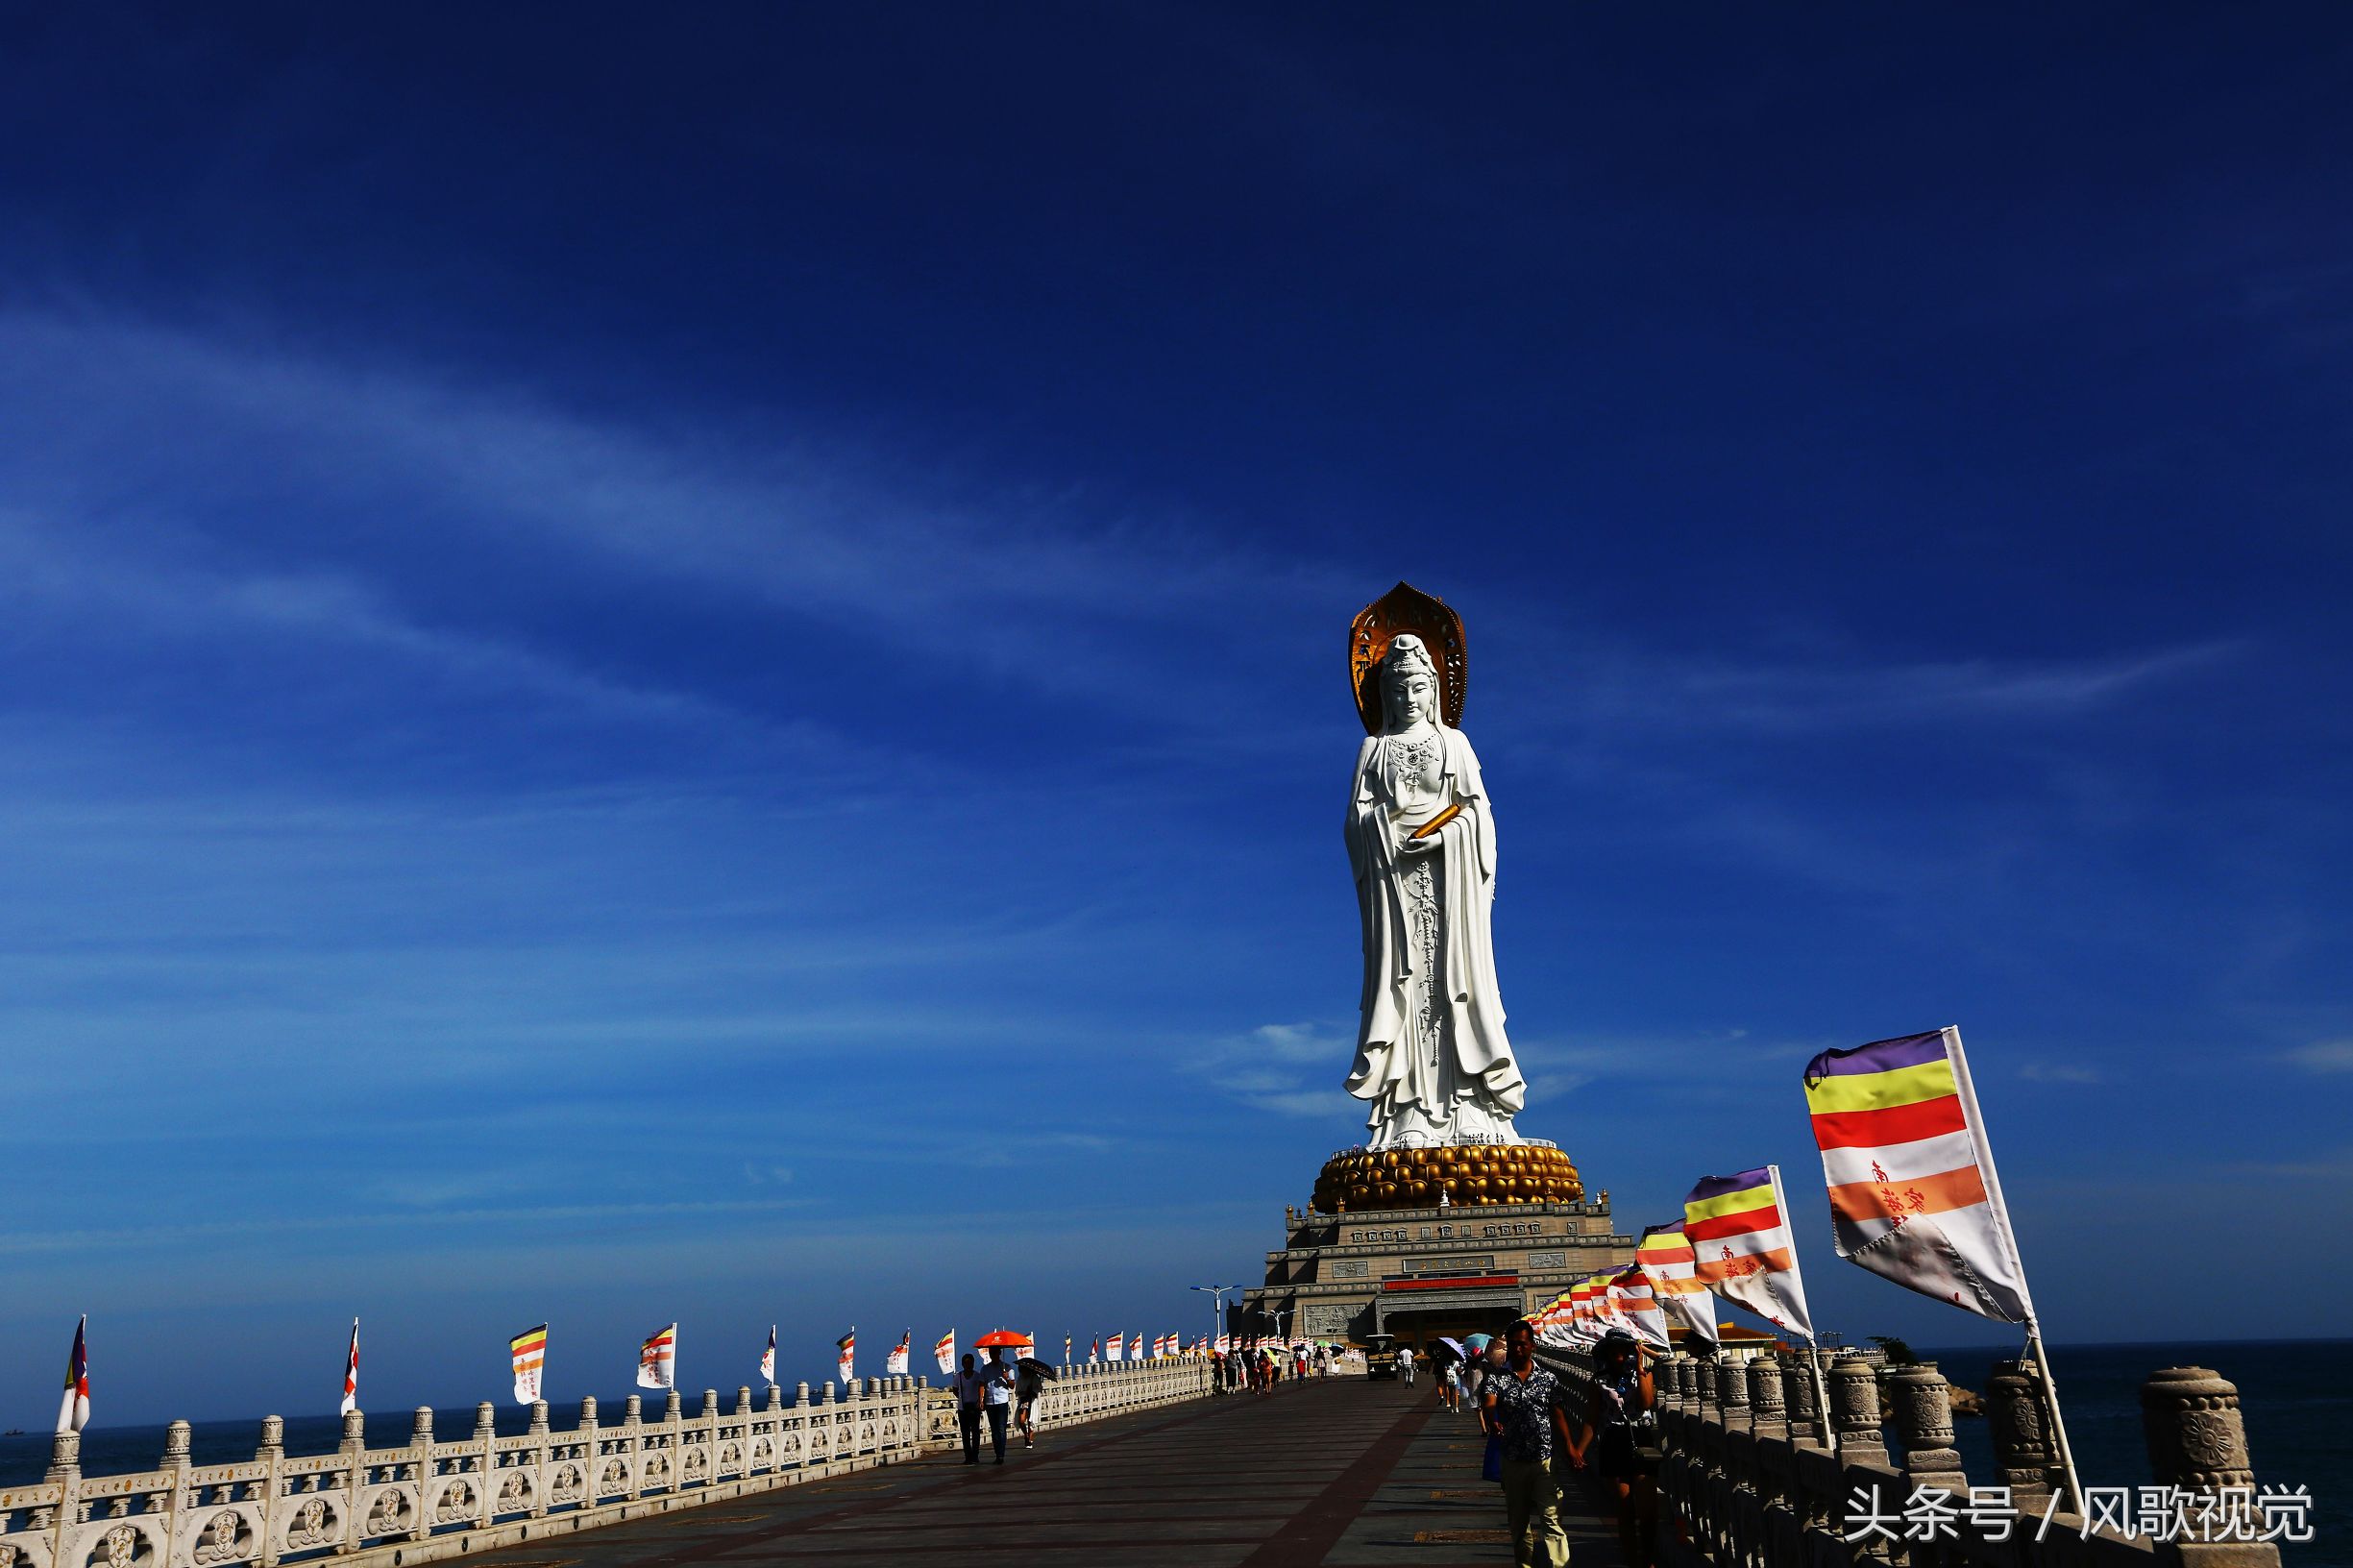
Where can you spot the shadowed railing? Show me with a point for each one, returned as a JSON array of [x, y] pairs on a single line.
[[1750, 1477], [429, 1500]]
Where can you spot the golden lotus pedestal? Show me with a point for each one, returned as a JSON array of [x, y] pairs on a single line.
[[1461, 1175]]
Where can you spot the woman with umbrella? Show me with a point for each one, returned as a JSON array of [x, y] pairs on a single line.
[[996, 1383]]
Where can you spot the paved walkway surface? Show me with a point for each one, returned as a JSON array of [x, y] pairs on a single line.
[[1335, 1474]]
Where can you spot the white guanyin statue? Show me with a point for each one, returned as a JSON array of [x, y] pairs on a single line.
[[1432, 1057]]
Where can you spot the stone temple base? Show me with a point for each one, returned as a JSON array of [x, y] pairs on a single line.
[[1465, 1174]]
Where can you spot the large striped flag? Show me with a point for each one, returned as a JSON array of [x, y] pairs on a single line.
[[1738, 1226], [1665, 1256], [1135, 1347], [894, 1365], [73, 1410], [529, 1351], [351, 1374], [768, 1357], [1636, 1301], [847, 1358], [1111, 1347], [945, 1351], [1913, 1195], [658, 1360]]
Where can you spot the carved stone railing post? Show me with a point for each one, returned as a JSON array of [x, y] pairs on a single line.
[[1732, 1395], [354, 1452], [1923, 1420], [486, 1463], [2197, 1441], [709, 1423], [1855, 1411], [673, 1440], [1804, 1414], [2025, 1459], [633, 1445], [270, 1452], [421, 1444], [1765, 1397], [541, 1469], [592, 1464]]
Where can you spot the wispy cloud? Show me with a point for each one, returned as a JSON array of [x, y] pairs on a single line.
[[2324, 1056], [1629, 689], [2060, 1072]]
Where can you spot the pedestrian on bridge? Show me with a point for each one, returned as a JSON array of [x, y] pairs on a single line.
[[968, 1391], [1522, 1406], [1029, 1382], [1619, 1438], [997, 1381]]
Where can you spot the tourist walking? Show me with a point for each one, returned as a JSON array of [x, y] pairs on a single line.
[[1520, 1407], [997, 1397], [968, 1408], [1028, 1384], [1444, 1360], [1619, 1438], [1404, 1364]]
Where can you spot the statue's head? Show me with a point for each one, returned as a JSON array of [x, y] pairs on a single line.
[[1409, 684]]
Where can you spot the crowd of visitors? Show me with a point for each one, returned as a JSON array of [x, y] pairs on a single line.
[[1257, 1368]]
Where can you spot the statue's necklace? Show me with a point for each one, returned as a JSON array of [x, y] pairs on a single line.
[[1414, 759]]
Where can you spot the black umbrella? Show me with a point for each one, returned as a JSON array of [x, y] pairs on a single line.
[[1036, 1369]]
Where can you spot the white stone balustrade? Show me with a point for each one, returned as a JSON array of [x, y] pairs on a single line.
[[429, 1500]]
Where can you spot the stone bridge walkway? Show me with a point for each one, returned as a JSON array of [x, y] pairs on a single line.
[[1338, 1474]]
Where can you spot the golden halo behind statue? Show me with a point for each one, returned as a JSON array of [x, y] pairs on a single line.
[[1407, 608]]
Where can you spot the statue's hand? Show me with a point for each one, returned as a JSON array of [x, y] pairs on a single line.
[[1411, 846]]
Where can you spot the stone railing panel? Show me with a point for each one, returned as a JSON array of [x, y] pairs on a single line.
[[429, 1500]]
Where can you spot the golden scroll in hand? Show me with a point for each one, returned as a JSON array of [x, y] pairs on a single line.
[[1439, 820]]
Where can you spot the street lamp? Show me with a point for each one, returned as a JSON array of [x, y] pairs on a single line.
[[1217, 1309]]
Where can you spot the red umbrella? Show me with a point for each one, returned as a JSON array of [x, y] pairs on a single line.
[[1005, 1338]]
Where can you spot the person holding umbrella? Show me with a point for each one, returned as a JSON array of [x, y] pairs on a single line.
[[996, 1383], [1030, 1378]]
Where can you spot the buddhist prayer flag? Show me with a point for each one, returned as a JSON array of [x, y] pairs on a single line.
[[1066, 1349], [1135, 1347], [529, 1351], [894, 1365], [946, 1350], [768, 1357], [1094, 1351], [1738, 1226], [658, 1360], [1665, 1256], [1111, 1347], [847, 1361], [1636, 1301], [73, 1410], [1913, 1195], [351, 1374]]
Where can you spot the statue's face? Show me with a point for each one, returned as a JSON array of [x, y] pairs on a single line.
[[1410, 698]]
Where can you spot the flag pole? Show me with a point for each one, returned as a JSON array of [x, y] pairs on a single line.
[[2002, 1216], [1813, 1346]]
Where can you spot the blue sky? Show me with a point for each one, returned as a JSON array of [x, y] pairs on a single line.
[[693, 668]]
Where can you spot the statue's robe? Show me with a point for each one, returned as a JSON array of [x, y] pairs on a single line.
[[1475, 1057]]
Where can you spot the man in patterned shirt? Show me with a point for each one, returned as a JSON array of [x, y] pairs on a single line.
[[1521, 1404]]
